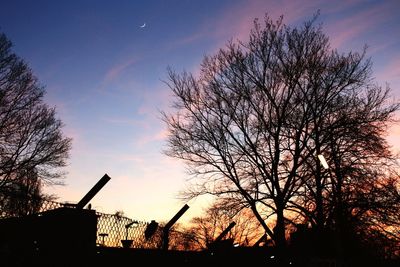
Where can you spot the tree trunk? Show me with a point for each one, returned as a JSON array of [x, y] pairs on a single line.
[[279, 234]]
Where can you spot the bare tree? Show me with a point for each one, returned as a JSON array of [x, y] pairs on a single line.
[[203, 230], [357, 190], [183, 238], [32, 145], [24, 196], [251, 126]]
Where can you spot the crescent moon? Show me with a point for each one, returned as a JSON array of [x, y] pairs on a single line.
[[142, 26]]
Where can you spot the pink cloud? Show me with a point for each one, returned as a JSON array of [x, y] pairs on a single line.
[[116, 70], [131, 158], [238, 21], [391, 72], [190, 38], [156, 99], [126, 121], [152, 137], [162, 135], [350, 28], [393, 137]]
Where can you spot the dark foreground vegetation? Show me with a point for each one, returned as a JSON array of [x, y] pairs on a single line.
[[151, 257]]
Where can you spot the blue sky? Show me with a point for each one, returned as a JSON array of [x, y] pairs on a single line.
[[104, 74]]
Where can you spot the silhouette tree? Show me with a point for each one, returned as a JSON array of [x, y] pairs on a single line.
[[203, 230], [251, 125], [24, 196], [217, 218], [32, 146], [182, 238]]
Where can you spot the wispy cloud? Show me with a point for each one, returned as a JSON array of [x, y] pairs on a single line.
[[115, 71], [234, 23], [152, 137], [130, 158], [237, 21], [391, 71], [189, 38], [394, 138], [356, 24], [127, 121], [151, 129]]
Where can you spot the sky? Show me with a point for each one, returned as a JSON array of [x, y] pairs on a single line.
[[106, 77]]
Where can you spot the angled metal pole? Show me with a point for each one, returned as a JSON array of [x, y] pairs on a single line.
[[259, 241], [221, 235], [95, 189], [176, 217], [170, 224]]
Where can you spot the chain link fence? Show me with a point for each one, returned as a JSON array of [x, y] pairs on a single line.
[[111, 228], [17, 205]]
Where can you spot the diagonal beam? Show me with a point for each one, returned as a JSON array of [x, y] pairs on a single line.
[[230, 226], [170, 224], [95, 189]]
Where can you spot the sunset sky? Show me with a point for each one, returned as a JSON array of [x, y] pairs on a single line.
[[104, 74]]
